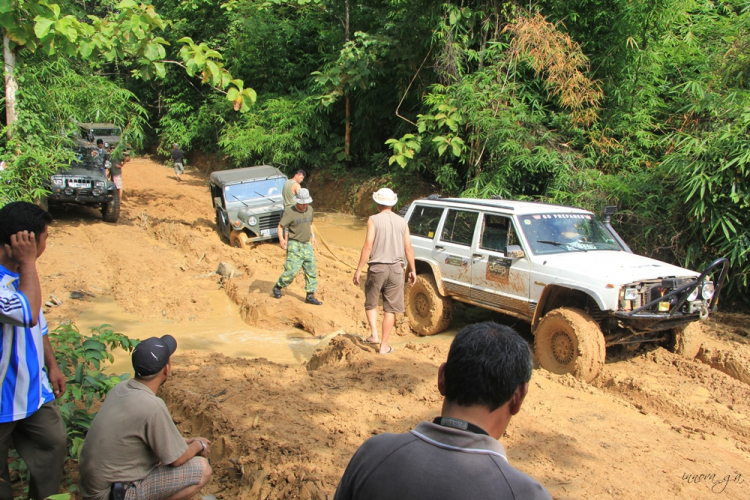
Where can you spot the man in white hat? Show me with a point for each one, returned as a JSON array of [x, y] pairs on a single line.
[[297, 236], [386, 245]]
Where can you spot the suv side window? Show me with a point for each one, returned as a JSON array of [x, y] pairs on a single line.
[[424, 221], [459, 227], [495, 233]]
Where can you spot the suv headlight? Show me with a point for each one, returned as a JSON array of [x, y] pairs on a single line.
[[694, 294], [58, 180], [708, 291], [100, 184], [631, 294], [251, 221]]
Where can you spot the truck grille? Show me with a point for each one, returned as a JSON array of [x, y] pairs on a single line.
[[269, 221], [78, 182]]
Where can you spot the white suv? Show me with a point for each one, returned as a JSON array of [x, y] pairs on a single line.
[[559, 268]]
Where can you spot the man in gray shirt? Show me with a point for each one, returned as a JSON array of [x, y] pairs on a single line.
[[457, 456]]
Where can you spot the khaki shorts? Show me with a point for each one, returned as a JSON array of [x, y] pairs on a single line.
[[117, 179], [165, 480], [386, 280]]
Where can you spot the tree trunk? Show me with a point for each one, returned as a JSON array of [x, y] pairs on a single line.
[[348, 133], [11, 84]]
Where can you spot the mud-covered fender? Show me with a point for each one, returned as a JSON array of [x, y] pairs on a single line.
[[539, 312], [435, 268]]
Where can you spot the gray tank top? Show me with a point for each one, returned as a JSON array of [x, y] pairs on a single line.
[[287, 193], [388, 247]]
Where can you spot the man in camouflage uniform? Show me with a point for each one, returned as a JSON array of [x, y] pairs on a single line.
[[297, 237]]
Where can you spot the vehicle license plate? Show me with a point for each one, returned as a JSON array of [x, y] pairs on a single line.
[[268, 232], [79, 184]]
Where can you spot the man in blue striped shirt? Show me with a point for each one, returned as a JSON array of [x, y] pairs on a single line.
[[28, 414]]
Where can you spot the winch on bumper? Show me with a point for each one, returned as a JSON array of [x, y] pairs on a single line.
[[78, 189], [668, 303]]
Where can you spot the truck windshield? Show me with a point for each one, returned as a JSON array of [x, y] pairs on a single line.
[[262, 188], [106, 131], [558, 233]]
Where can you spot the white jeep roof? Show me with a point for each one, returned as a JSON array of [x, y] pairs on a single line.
[[506, 206]]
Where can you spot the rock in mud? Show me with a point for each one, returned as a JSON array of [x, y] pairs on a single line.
[[77, 295], [55, 300], [344, 349], [228, 270]]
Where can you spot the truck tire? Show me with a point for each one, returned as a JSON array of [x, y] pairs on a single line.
[[428, 311], [111, 209], [43, 203], [238, 239], [570, 341], [687, 340]]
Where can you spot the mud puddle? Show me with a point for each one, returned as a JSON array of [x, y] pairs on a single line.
[[223, 332], [341, 229]]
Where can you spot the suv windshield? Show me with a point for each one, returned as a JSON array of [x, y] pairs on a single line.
[[558, 233], [262, 188]]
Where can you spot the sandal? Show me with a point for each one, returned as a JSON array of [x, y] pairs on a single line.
[[389, 351], [366, 341]]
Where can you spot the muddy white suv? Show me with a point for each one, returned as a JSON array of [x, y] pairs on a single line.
[[562, 270]]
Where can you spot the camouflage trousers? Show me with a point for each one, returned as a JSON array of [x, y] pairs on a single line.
[[299, 255]]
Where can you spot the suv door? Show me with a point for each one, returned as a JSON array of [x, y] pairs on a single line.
[[423, 225], [498, 280], [452, 250]]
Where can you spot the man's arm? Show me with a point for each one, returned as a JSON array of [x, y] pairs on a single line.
[[366, 250], [282, 236], [56, 378], [409, 251], [22, 250], [196, 447], [312, 235], [295, 187]]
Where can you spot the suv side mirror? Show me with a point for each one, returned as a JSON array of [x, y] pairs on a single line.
[[515, 252], [217, 202]]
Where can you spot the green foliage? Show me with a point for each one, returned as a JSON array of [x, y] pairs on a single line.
[[83, 360]]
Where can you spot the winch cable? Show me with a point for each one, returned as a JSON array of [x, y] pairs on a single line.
[[323, 240]]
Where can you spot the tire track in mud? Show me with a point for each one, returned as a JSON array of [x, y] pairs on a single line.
[[694, 398]]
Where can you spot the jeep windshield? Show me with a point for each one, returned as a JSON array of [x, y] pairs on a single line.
[[105, 131], [252, 190], [559, 233]]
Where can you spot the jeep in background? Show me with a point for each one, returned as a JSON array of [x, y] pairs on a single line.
[[83, 183], [248, 203], [110, 133], [560, 269]]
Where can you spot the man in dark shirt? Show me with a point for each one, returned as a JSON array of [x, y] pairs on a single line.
[[178, 158], [297, 237], [457, 456]]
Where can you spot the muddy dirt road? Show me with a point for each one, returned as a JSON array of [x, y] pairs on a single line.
[[647, 427]]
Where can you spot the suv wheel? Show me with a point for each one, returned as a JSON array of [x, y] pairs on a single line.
[[428, 312], [111, 209], [570, 341], [687, 340], [238, 239]]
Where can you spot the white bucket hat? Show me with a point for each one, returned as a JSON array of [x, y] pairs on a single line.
[[385, 196], [303, 197]]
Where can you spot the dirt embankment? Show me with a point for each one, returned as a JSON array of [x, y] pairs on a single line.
[[647, 427]]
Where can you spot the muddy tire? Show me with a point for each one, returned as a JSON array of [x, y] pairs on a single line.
[[687, 340], [238, 239], [428, 311], [111, 209], [570, 341]]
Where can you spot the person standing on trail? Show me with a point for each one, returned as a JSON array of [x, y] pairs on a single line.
[[386, 244], [292, 187], [456, 456], [29, 416], [102, 154], [115, 171], [178, 159], [133, 449], [297, 236]]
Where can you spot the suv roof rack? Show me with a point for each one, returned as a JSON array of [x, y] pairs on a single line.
[[478, 203]]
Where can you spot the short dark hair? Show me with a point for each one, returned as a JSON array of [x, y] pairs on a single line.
[[100, 141], [22, 216], [486, 363], [300, 171]]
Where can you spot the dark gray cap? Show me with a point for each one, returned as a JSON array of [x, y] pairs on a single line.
[[151, 355]]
